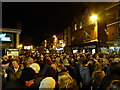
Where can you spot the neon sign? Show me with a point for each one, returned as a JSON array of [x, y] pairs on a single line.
[[4, 38]]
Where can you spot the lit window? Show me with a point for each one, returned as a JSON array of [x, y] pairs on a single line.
[[118, 12], [75, 26], [119, 31], [80, 25]]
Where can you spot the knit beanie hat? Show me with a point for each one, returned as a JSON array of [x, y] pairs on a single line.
[[35, 67], [28, 74], [48, 83]]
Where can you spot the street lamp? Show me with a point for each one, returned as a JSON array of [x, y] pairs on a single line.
[[54, 36], [55, 41], [20, 46], [45, 43], [94, 19], [31, 47]]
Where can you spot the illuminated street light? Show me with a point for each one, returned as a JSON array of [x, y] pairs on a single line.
[[45, 40], [45, 43], [54, 36], [55, 41], [31, 47], [20, 46], [93, 18]]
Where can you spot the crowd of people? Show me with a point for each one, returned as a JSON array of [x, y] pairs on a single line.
[[76, 71]]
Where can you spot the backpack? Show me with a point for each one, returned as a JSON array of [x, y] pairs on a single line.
[[84, 75]]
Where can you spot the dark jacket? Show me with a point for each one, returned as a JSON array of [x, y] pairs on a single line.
[[15, 85], [113, 74], [12, 75]]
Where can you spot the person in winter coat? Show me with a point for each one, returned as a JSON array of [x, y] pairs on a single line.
[[85, 75], [69, 68], [66, 82], [24, 83], [15, 71], [97, 77], [114, 74]]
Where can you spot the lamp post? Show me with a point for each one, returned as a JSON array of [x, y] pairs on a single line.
[[45, 43], [20, 46], [94, 19], [55, 41]]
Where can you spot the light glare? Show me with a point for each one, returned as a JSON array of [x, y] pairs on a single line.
[[94, 17]]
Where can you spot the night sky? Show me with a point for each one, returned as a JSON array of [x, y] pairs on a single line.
[[40, 20]]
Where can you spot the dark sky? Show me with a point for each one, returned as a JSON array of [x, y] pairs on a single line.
[[39, 20]]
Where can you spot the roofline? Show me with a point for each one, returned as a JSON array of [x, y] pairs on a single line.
[[10, 30], [111, 6], [113, 23]]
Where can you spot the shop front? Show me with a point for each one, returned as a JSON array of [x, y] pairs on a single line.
[[9, 39], [114, 47]]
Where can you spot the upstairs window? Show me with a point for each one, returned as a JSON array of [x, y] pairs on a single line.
[[118, 12], [119, 31], [80, 25], [75, 27]]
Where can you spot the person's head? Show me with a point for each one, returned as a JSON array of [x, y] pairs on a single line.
[[85, 62], [82, 56], [98, 76], [15, 63], [47, 83], [116, 56], [98, 66], [54, 66], [29, 60], [28, 76], [10, 57], [64, 80], [65, 61], [114, 85], [100, 60], [100, 55], [58, 59], [35, 67], [61, 68], [47, 60], [5, 57]]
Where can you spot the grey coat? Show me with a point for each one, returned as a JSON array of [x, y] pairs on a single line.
[[85, 75]]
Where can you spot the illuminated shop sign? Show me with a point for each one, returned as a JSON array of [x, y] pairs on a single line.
[[59, 49], [27, 47], [12, 52], [3, 37], [75, 51]]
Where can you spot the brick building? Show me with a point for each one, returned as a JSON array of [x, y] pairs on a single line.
[[113, 27]]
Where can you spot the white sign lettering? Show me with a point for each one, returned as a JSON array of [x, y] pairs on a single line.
[[3, 38]]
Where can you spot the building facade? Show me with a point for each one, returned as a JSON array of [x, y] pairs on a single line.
[[9, 39], [113, 27], [87, 34]]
